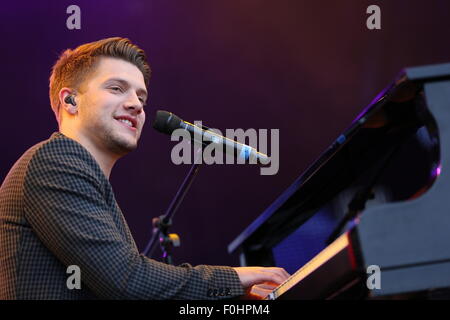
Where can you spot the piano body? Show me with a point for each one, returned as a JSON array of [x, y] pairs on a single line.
[[378, 196]]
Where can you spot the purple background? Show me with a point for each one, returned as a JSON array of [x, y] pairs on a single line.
[[304, 67]]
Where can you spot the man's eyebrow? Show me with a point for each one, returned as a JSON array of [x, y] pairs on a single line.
[[125, 83]]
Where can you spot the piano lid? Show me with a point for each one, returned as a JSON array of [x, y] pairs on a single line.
[[394, 114]]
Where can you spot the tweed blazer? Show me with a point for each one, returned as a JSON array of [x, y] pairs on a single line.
[[58, 209]]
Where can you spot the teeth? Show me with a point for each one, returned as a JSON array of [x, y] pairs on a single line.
[[128, 122]]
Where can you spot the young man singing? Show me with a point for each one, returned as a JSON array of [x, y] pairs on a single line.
[[57, 207]]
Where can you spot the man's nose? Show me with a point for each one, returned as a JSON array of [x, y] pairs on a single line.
[[134, 104]]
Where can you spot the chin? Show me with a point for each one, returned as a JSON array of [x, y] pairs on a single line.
[[121, 145], [126, 145]]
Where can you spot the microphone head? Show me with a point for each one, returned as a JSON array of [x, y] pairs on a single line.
[[166, 122]]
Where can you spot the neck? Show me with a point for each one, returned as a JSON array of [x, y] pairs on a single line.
[[105, 159]]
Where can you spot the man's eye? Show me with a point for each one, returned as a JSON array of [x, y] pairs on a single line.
[[117, 89]]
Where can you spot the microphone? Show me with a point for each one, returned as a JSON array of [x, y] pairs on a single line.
[[166, 122]]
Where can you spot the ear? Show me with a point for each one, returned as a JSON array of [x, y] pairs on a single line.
[[63, 94]]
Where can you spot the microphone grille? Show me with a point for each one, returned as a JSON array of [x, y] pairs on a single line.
[[166, 122]]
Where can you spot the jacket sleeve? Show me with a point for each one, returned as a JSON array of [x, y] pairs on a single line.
[[64, 204]]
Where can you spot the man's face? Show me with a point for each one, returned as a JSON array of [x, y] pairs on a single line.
[[111, 114]]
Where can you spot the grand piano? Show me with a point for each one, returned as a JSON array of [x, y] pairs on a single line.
[[370, 218]]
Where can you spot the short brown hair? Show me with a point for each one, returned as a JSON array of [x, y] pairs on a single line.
[[73, 66]]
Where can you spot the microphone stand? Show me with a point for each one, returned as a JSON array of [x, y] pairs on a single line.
[[162, 223]]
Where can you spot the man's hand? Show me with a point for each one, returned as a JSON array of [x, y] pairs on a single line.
[[259, 281]]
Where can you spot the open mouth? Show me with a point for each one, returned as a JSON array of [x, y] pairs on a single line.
[[127, 122]]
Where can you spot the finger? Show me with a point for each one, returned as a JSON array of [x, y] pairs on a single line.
[[276, 274], [273, 278], [267, 285], [260, 292], [280, 271]]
